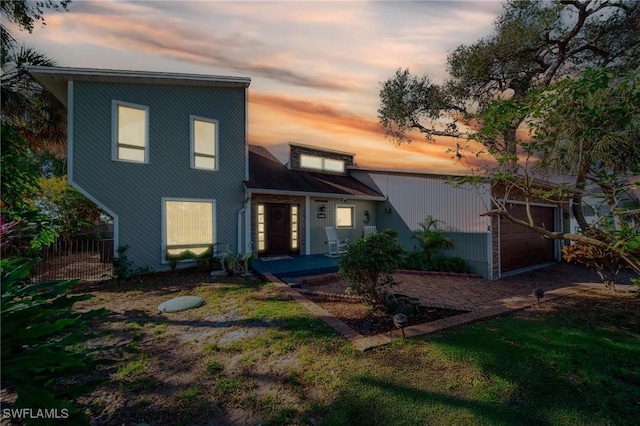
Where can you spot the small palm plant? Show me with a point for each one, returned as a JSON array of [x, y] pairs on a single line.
[[431, 238]]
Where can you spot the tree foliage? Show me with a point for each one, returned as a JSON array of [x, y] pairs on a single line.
[[36, 114], [566, 72], [368, 264], [69, 209], [19, 179], [533, 45], [42, 357]]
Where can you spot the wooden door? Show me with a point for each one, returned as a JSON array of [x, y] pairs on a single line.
[[278, 229]]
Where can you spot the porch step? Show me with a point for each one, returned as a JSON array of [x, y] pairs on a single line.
[[291, 282]]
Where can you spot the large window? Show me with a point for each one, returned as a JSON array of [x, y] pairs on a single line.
[[321, 163], [130, 132], [188, 225], [204, 143], [345, 216]]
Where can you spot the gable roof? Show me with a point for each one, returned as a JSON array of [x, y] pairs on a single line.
[[55, 79], [267, 175]]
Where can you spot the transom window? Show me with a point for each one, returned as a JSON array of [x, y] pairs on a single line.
[[130, 132], [188, 225], [204, 143], [321, 163], [345, 216]]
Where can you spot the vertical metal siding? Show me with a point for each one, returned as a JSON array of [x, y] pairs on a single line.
[[413, 197], [133, 191]]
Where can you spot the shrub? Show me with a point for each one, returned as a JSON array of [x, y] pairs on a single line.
[[123, 268], [416, 261], [368, 264], [431, 238], [449, 264], [42, 354]]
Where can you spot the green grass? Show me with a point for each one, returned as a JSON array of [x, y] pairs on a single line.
[[577, 366], [556, 370], [133, 375]]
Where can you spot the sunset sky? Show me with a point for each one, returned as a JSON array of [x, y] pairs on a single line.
[[316, 67]]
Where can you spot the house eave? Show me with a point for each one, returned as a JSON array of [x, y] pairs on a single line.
[[251, 191], [55, 79]]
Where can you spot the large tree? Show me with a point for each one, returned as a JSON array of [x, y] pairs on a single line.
[[36, 115], [534, 43], [552, 70]]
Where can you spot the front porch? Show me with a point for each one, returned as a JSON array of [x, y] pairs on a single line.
[[295, 266]]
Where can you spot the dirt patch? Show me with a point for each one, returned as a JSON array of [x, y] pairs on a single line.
[[218, 365], [368, 321]]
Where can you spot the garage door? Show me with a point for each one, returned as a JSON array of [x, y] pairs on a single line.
[[521, 247]]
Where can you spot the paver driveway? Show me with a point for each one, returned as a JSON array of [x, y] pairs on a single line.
[[473, 294]]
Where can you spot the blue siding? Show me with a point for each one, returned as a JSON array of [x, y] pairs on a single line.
[[133, 191]]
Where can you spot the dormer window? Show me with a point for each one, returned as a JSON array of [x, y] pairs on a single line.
[[321, 163]]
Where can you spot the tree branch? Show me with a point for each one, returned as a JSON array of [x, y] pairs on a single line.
[[632, 262]]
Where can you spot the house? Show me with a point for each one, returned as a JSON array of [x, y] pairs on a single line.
[[322, 187], [164, 154]]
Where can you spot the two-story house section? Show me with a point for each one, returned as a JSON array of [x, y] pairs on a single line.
[[164, 154]]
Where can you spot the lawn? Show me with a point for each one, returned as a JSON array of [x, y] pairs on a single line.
[[251, 355]]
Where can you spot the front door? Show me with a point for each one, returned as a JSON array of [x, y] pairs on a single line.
[[278, 229]]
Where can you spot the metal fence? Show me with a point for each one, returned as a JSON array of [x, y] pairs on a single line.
[[86, 256]]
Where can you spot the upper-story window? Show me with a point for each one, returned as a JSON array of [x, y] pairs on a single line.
[[204, 143], [321, 163], [130, 140]]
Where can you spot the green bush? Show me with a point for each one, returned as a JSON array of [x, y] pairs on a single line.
[[43, 358], [449, 264], [368, 264], [416, 261], [123, 268], [431, 238]]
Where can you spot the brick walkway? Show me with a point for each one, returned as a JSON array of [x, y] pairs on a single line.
[[484, 299]]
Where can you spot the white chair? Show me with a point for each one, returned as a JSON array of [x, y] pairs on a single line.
[[335, 247], [368, 230]]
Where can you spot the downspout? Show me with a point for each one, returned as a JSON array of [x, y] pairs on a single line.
[[241, 218]]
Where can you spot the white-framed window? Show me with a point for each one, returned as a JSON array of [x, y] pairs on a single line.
[[204, 143], [345, 216], [188, 224], [130, 132], [320, 163]]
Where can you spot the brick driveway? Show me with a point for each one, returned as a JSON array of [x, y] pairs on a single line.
[[472, 294]]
